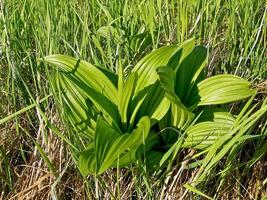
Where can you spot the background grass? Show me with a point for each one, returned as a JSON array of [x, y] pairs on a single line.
[[34, 162]]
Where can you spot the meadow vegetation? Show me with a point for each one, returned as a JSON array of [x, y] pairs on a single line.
[[133, 99]]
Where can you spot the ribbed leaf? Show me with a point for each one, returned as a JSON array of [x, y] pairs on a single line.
[[127, 92], [111, 75], [104, 139], [189, 70], [166, 76], [146, 68], [160, 111], [104, 105], [165, 56], [110, 146], [184, 50], [86, 72], [150, 102], [206, 133], [150, 99], [181, 116], [87, 161], [126, 142], [220, 89], [78, 109]]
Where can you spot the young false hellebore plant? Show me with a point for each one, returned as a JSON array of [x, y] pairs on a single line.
[[189, 93], [112, 119], [108, 117]]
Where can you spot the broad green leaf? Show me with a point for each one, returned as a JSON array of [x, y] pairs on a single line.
[[104, 105], [126, 158], [104, 139], [111, 75], [149, 102], [152, 159], [110, 146], [166, 76], [87, 161], [184, 50], [188, 72], [161, 110], [87, 73], [163, 83], [146, 68], [153, 98], [211, 114], [204, 134], [127, 141], [127, 93], [151, 141], [220, 89], [164, 56], [181, 116], [77, 111]]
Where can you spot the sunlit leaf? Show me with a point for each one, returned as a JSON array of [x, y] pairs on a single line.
[[206, 133], [220, 89], [87, 73]]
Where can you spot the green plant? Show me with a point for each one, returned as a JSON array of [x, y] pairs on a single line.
[[191, 94], [111, 117], [233, 31], [99, 104]]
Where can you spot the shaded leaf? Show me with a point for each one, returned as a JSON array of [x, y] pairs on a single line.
[[188, 72], [180, 115]]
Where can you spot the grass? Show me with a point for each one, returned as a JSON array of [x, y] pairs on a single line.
[[30, 148]]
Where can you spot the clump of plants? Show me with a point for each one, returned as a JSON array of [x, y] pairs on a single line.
[[166, 104]]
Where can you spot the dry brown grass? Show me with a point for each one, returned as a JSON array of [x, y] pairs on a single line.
[[33, 179]]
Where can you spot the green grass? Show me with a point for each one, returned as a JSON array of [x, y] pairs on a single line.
[[233, 31]]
